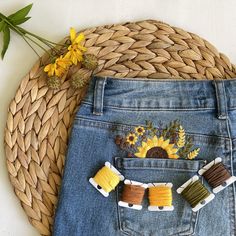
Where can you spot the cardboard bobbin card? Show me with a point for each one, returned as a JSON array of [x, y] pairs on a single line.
[[203, 202], [162, 196], [106, 179], [128, 201], [226, 180]]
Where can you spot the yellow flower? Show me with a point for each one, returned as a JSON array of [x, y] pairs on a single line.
[[77, 39], [75, 50], [157, 147], [131, 138], [139, 130], [58, 68]]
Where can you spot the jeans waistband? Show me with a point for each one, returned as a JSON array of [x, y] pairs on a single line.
[[164, 94]]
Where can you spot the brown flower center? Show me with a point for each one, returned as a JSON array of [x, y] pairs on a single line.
[[140, 130], [131, 138], [157, 152]]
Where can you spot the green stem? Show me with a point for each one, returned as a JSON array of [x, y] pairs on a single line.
[[31, 46], [15, 28], [38, 37], [23, 33]]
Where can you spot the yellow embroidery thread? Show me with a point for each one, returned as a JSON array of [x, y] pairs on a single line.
[[181, 139], [193, 153], [107, 179], [160, 196]]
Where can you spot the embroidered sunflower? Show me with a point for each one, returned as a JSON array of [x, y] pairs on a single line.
[[169, 141], [157, 147], [131, 138], [139, 130]]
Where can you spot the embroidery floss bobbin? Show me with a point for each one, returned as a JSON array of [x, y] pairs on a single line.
[[217, 176], [195, 193], [132, 195], [106, 179], [160, 197]]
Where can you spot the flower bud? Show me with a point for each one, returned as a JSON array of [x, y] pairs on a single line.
[[90, 61], [78, 80], [53, 82]]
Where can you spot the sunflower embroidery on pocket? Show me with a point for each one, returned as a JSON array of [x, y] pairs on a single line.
[[158, 142]]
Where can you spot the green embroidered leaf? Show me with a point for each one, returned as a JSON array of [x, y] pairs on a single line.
[[20, 15], [6, 40]]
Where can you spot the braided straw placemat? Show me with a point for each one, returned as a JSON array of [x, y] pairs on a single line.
[[39, 118]]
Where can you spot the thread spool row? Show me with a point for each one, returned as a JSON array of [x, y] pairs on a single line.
[[160, 194]]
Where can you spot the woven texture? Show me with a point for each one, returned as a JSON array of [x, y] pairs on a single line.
[[39, 118]]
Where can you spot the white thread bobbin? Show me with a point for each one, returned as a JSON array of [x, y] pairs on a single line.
[[127, 204], [160, 208], [200, 204], [98, 187], [226, 183]]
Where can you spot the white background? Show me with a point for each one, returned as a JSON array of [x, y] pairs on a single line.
[[214, 20]]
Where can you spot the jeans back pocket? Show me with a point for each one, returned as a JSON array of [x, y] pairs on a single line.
[[181, 221]]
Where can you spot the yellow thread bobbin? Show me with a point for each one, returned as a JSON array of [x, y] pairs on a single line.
[[160, 197], [106, 179]]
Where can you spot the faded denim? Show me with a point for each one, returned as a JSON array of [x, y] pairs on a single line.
[[207, 111]]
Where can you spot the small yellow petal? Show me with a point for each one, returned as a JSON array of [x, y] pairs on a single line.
[[72, 34], [79, 38], [47, 68]]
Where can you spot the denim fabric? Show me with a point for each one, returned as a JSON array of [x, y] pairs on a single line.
[[207, 111]]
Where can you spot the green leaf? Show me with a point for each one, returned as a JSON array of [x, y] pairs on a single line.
[[21, 14], [20, 21], [2, 25], [6, 40]]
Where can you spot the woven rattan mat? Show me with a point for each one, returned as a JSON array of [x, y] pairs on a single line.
[[39, 118]]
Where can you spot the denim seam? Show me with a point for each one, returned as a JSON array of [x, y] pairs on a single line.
[[84, 102], [182, 108], [158, 80], [159, 168], [232, 200], [225, 102]]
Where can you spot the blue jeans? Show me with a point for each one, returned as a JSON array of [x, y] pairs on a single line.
[[111, 108]]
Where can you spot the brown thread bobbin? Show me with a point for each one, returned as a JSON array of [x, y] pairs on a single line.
[[216, 175], [133, 194]]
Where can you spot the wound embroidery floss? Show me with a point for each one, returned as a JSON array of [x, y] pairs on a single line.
[[106, 179], [132, 195], [195, 193], [160, 197], [216, 175]]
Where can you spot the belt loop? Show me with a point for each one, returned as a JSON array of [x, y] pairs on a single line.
[[221, 99], [98, 95]]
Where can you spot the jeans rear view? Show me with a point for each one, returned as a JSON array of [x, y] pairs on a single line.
[[114, 108]]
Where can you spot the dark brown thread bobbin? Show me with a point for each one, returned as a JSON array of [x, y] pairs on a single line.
[[216, 175], [133, 194]]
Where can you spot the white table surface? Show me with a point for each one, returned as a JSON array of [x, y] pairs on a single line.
[[213, 20]]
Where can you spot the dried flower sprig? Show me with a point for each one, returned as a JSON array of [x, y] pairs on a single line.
[[61, 56], [74, 54]]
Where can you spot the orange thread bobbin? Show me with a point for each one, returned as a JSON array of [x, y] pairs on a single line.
[[160, 197]]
